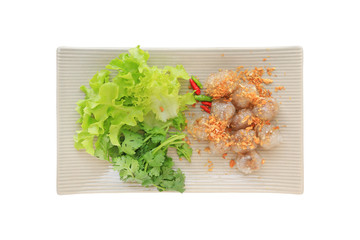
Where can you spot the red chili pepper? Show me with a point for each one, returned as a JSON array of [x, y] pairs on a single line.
[[206, 109], [207, 103], [195, 87]]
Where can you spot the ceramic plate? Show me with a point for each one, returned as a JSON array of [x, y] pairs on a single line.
[[282, 172]]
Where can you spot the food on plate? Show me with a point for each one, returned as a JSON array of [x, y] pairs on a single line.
[[269, 136], [220, 147], [203, 98], [242, 96], [248, 162], [244, 141], [267, 110], [221, 84], [241, 112], [195, 86], [242, 119], [216, 130], [222, 110], [198, 128], [197, 82], [131, 115]]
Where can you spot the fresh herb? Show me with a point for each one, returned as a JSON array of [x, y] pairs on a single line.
[[133, 118]]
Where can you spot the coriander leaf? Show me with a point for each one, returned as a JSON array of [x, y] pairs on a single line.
[[184, 150], [114, 151], [177, 183], [158, 138], [167, 173], [132, 142], [146, 147], [126, 165], [158, 159], [143, 178], [154, 130], [179, 122], [155, 171], [168, 163], [155, 159]]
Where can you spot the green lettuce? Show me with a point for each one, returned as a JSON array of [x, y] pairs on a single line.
[[125, 119]]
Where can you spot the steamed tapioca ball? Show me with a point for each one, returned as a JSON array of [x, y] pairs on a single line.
[[266, 109], [243, 95], [219, 147], [221, 84], [242, 119], [243, 141], [269, 136], [222, 110], [197, 128], [248, 162]]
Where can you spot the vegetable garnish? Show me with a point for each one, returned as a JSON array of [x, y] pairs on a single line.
[[132, 119], [205, 108], [203, 98], [207, 103], [195, 87], [196, 81]]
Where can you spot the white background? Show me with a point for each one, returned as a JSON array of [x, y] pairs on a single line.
[[31, 32]]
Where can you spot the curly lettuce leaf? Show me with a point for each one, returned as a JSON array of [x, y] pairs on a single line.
[[125, 119]]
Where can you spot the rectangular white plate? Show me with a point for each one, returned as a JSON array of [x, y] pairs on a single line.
[[78, 172]]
